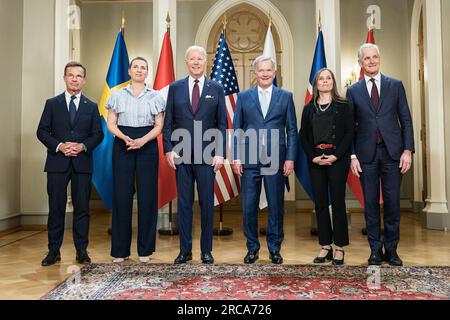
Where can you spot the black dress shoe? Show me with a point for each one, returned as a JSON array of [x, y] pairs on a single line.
[[251, 257], [376, 257], [207, 257], [183, 257], [393, 259], [51, 258], [328, 257], [83, 257], [276, 257], [339, 262]]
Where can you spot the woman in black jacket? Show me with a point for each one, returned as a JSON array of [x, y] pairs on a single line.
[[326, 133]]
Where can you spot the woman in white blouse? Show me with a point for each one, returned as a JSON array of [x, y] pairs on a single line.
[[135, 118]]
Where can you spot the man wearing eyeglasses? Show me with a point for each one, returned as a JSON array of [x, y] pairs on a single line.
[[70, 128], [195, 105]]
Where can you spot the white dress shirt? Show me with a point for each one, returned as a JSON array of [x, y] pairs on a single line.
[[76, 101], [201, 82], [265, 101], [369, 83]]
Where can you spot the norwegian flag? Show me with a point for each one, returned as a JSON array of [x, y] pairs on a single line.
[[227, 183]]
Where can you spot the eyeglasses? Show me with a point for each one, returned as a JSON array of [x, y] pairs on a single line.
[[199, 59], [72, 76]]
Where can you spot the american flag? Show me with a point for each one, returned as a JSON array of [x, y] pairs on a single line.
[[227, 184]]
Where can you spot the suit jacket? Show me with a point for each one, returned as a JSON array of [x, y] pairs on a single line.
[[343, 130], [280, 115], [393, 119], [55, 128], [211, 113]]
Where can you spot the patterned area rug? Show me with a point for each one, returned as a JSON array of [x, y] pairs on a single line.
[[252, 282]]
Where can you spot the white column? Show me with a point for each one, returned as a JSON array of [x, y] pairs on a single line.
[[331, 29], [436, 203], [64, 19], [160, 10]]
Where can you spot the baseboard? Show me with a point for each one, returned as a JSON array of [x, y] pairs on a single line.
[[10, 222], [40, 218]]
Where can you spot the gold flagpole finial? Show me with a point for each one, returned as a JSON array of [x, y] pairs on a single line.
[[319, 26], [270, 20], [122, 27], [224, 24], [168, 22]]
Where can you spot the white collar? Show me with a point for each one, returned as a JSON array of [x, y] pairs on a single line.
[[200, 80], [377, 78], [68, 95], [268, 89]]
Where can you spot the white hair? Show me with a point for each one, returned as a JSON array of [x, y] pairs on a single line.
[[197, 49], [264, 58], [366, 46]]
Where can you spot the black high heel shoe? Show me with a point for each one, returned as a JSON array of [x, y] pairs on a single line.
[[328, 257], [339, 262]]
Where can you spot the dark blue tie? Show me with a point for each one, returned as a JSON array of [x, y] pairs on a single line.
[[72, 110]]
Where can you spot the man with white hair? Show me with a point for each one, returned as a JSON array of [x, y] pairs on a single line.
[[195, 105], [269, 113], [383, 145]]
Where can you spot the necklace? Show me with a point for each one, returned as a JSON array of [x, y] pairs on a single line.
[[324, 109]]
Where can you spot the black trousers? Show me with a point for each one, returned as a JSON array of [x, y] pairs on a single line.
[[142, 165], [331, 179], [57, 200]]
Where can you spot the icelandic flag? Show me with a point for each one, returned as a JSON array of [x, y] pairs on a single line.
[[301, 163]]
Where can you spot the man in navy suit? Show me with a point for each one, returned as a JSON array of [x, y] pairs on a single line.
[[383, 145], [70, 128], [267, 113], [195, 107]]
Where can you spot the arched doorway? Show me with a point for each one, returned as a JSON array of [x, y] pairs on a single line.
[[245, 33]]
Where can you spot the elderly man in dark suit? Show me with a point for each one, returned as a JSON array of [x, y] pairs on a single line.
[[383, 145], [268, 113], [70, 128], [195, 106]]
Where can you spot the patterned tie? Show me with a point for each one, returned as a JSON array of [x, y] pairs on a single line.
[[72, 110], [195, 96], [264, 104], [375, 99]]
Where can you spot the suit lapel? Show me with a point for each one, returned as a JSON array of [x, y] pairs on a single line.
[[385, 87], [81, 106], [187, 94], [64, 107], [205, 92], [275, 95], [254, 95], [365, 93]]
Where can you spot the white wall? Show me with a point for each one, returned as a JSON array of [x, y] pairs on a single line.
[[100, 24], [37, 87], [10, 111]]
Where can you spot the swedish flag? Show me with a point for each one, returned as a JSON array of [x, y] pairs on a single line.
[[117, 78]]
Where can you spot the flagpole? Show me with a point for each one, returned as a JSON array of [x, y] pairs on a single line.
[[221, 231], [171, 231]]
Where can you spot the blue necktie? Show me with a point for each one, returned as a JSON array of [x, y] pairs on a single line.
[[72, 110]]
